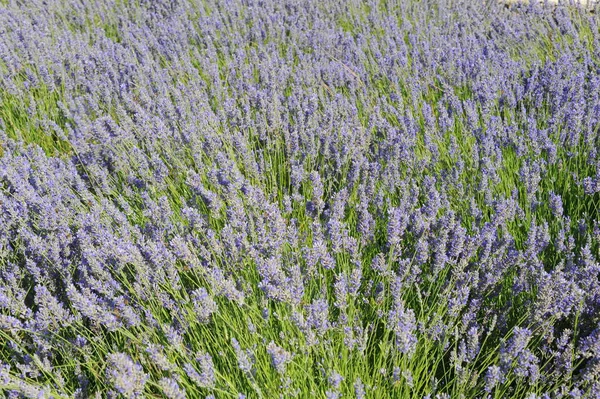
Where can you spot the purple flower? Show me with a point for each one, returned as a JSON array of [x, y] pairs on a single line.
[[556, 205], [318, 316], [206, 377], [359, 389], [204, 305], [493, 377], [403, 323], [335, 379], [157, 357], [245, 357], [171, 388], [279, 357], [590, 186], [515, 355], [126, 376]]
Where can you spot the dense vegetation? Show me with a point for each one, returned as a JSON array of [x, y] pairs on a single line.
[[293, 198]]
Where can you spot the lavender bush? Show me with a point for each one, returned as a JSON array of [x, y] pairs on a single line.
[[293, 199]]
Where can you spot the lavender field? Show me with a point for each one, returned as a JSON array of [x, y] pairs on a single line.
[[299, 199]]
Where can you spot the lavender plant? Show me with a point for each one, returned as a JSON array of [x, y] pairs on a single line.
[[262, 199]]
